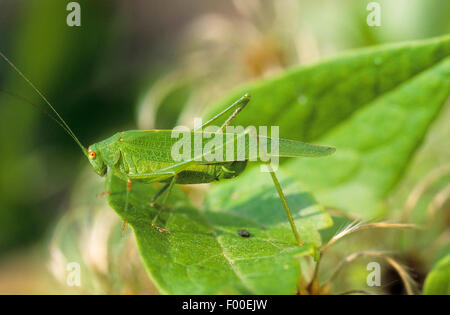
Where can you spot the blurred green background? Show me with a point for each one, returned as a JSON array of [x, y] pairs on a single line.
[[143, 64]]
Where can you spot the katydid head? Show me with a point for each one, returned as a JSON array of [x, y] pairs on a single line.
[[95, 157]]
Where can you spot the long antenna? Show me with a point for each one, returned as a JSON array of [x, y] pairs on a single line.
[[23, 99], [62, 123]]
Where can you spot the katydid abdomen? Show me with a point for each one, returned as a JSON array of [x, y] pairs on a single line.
[[207, 173]]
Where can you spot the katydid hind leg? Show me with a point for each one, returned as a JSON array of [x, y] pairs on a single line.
[[159, 175], [245, 99], [285, 206], [278, 188], [239, 105]]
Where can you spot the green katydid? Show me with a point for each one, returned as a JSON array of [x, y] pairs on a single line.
[[145, 155]]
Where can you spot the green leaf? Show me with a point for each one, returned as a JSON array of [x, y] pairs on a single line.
[[306, 102], [374, 147], [438, 280], [203, 253]]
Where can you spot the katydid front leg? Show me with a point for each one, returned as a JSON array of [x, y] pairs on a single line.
[[125, 222]]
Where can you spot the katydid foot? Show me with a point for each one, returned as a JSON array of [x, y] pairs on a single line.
[[103, 194], [160, 207], [124, 228], [159, 229]]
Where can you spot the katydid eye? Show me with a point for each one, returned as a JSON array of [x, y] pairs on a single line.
[[92, 155]]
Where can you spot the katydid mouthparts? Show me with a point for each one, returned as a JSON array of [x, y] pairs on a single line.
[[146, 155]]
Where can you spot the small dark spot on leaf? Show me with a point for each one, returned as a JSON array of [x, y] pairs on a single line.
[[243, 233]]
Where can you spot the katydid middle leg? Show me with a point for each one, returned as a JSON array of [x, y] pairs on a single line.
[[156, 176], [158, 194], [167, 187]]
